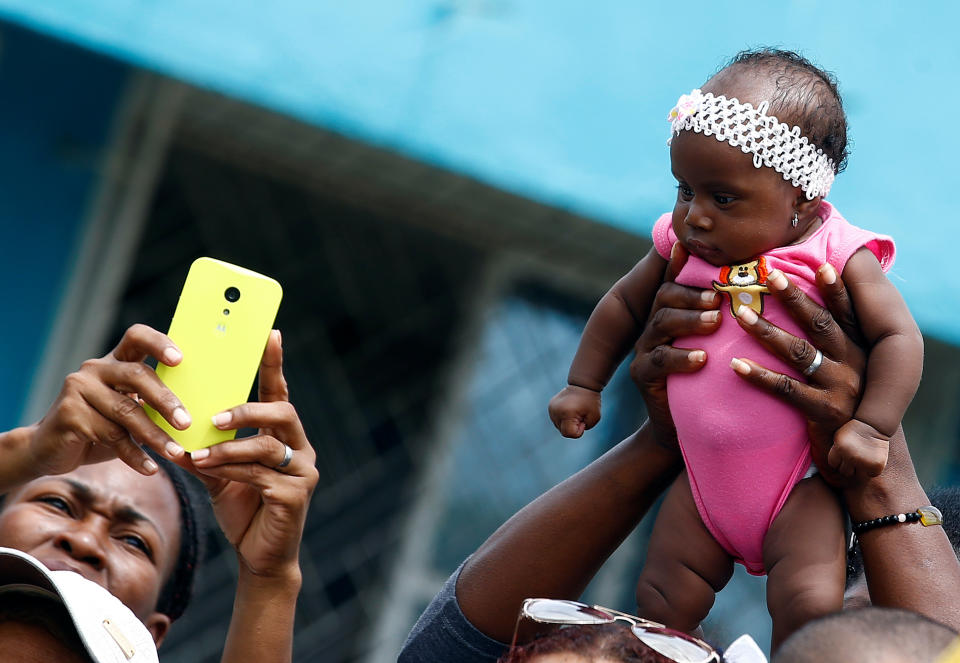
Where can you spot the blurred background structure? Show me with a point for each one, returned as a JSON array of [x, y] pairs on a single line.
[[444, 188]]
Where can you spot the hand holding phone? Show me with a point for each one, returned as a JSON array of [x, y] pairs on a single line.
[[221, 324]]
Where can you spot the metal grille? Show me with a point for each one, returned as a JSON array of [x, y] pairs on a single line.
[[367, 316]]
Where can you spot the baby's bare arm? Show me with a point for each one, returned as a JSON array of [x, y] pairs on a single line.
[[861, 446], [616, 323], [610, 332], [896, 346]]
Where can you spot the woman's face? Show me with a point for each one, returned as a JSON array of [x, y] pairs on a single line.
[[106, 522]]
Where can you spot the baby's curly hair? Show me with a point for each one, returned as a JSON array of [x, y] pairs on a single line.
[[806, 95]]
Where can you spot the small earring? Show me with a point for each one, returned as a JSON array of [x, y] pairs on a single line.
[[796, 219]]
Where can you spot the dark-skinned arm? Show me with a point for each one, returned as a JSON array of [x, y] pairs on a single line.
[[616, 323], [611, 331], [893, 369], [554, 546], [907, 566]]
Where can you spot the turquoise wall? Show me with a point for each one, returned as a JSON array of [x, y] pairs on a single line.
[[56, 104], [564, 101]]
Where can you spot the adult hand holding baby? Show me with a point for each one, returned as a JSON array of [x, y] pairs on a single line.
[[829, 397], [833, 389], [677, 311], [673, 310]]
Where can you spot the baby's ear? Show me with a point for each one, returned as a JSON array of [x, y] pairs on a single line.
[[804, 207]]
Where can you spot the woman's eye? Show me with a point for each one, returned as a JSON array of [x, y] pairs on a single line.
[[57, 503], [135, 541]]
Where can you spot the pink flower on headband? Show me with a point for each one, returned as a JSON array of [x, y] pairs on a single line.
[[687, 105]]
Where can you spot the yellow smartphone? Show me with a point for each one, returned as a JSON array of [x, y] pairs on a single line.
[[222, 324]]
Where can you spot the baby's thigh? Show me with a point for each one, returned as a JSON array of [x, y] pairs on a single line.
[[805, 557], [685, 565], [808, 530]]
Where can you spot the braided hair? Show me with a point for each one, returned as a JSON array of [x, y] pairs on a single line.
[[178, 589]]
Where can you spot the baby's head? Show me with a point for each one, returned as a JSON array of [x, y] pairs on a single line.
[[753, 167], [798, 92]]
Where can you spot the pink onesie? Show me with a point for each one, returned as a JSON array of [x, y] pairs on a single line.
[[745, 450]]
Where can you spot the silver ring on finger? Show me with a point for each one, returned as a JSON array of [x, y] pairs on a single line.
[[814, 365], [287, 457]]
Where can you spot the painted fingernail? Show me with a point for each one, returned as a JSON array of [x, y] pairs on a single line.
[[710, 316], [181, 418], [747, 314], [741, 367], [697, 356], [222, 419], [777, 280], [173, 449], [199, 454], [172, 356], [828, 274], [150, 466]]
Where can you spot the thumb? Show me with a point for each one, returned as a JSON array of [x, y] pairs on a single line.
[[571, 428]]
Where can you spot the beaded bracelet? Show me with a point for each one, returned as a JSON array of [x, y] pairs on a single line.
[[927, 515]]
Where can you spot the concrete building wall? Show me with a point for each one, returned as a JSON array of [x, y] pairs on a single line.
[[57, 106]]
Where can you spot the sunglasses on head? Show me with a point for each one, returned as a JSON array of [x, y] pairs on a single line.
[[675, 645]]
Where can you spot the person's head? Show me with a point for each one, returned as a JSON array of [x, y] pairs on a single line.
[[867, 635], [733, 201], [136, 536], [947, 500], [593, 643]]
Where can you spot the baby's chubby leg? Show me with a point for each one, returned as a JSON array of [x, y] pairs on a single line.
[[805, 558], [685, 565]]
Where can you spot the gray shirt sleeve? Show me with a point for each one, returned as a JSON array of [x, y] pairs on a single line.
[[443, 634]]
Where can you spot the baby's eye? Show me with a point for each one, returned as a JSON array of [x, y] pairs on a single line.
[[57, 503], [685, 192], [722, 199]]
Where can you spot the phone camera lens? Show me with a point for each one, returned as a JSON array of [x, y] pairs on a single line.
[[231, 294]]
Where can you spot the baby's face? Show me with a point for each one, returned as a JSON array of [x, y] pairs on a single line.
[[727, 211]]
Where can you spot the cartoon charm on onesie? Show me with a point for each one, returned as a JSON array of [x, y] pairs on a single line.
[[746, 284]]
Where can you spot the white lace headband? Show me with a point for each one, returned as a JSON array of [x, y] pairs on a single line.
[[772, 142]]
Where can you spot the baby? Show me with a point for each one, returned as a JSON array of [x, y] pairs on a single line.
[[754, 154]]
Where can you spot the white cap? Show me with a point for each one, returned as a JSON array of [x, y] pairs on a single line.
[[744, 650], [109, 630]]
